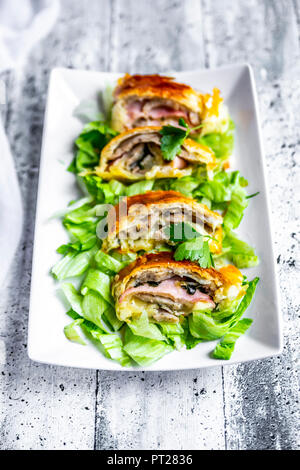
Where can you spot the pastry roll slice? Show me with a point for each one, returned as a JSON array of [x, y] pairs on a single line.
[[136, 154], [141, 222], [166, 289], [153, 100]]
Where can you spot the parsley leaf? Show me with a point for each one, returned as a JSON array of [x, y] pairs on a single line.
[[180, 232], [194, 246], [196, 249], [173, 138], [171, 141]]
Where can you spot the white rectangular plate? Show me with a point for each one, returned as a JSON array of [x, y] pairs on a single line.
[[46, 342]]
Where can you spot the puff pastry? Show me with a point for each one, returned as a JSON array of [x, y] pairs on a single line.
[[167, 289], [136, 154], [140, 222], [151, 100]]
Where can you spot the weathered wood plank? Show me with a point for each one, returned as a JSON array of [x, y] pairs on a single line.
[[170, 410], [261, 398], [43, 406]]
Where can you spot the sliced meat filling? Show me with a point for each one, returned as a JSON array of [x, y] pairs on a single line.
[[138, 154], [156, 111], [173, 297], [153, 224]]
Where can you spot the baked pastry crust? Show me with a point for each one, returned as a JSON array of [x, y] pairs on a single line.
[[114, 164]]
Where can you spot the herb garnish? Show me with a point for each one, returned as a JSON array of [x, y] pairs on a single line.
[[173, 138], [192, 245]]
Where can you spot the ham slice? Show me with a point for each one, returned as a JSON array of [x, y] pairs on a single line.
[[169, 288], [178, 163], [155, 110], [165, 111], [134, 109]]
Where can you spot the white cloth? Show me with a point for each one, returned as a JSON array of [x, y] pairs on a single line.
[[22, 24]]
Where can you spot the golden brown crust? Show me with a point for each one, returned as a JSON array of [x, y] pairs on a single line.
[[154, 197], [232, 274], [165, 260], [160, 87]]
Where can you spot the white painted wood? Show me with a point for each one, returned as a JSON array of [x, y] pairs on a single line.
[[178, 410]]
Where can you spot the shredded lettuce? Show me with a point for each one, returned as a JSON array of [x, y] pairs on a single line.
[[111, 317], [140, 187], [174, 332], [112, 345], [185, 185], [238, 252], [145, 351], [213, 325], [94, 136], [235, 210], [225, 348], [72, 265], [220, 143], [93, 307], [108, 264], [99, 282], [84, 237], [72, 296], [142, 327], [71, 332]]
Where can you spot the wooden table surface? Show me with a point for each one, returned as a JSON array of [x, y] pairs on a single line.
[[247, 406]]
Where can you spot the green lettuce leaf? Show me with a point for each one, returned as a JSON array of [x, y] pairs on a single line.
[[111, 318], [174, 332], [212, 325], [145, 351], [140, 187], [238, 252], [93, 307], [107, 263], [112, 345], [83, 235], [93, 138], [225, 348], [220, 143], [72, 265], [72, 296], [99, 282], [185, 185], [189, 340], [71, 332], [142, 327], [80, 215], [235, 210]]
